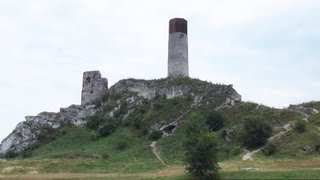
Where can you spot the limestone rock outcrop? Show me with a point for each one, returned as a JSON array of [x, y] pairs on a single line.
[[27, 132], [172, 88], [132, 91]]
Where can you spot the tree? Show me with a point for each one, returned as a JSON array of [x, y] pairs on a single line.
[[300, 125], [255, 132], [200, 149], [214, 121]]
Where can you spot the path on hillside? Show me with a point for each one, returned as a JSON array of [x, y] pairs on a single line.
[[287, 127], [154, 149], [196, 103]]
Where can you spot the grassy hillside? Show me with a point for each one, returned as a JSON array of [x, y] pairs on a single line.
[[126, 150]]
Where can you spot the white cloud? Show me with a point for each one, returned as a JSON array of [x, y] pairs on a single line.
[[265, 48]]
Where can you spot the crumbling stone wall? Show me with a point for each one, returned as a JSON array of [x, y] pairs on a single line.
[[93, 87]]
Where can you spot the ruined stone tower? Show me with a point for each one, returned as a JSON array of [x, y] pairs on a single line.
[[178, 48], [93, 87]]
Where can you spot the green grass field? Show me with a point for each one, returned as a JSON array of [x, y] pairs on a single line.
[[75, 155]]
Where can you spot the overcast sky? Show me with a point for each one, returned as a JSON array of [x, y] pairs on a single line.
[[268, 49]]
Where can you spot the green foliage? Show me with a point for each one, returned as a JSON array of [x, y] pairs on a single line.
[[155, 135], [158, 105], [115, 96], [269, 149], [105, 156], [122, 110], [166, 109], [49, 134], [107, 129], [122, 145], [200, 149], [27, 152], [105, 96], [317, 147], [93, 136], [95, 121], [215, 121], [300, 126], [87, 155], [315, 119], [11, 154], [138, 122], [256, 132]]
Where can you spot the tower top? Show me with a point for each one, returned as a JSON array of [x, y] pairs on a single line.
[[178, 25]]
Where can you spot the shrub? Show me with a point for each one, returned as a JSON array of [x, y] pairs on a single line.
[[300, 126], [107, 129], [105, 96], [155, 135], [214, 121], [143, 131], [269, 149], [236, 151], [200, 149], [49, 134], [28, 151], [11, 154], [317, 147], [138, 122], [122, 110], [255, 132], [122, 145], [158, 105], [95, 121], [93, 136], [105, 156]]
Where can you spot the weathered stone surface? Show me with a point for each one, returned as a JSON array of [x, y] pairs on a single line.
[[303, 109], [149, 89], [93, 87], [27, 132], [178, 49]]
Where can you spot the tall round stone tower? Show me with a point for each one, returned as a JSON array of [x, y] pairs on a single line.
[[178, 48]]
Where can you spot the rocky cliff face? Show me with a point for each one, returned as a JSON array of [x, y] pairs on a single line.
[[27, 132], [130, 91], [171, 88]]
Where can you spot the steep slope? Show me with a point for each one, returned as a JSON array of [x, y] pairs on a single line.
[[124, 102], [71, 140]]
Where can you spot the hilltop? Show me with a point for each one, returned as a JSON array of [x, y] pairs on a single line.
[[135, 127]]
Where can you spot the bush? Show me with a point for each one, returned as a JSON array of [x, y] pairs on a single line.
[[122, 145], [107, 129], [300, 126], [138, 122], [269, 149], [255, 132], [158, 105], [143, 131], [49, 134], [95, 121], [105, 156], [200, 149], [155, 135], [317, 147], [122, 110], [93, 136], [214, 121], [236, 151], [27, 152], [11, 154]]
